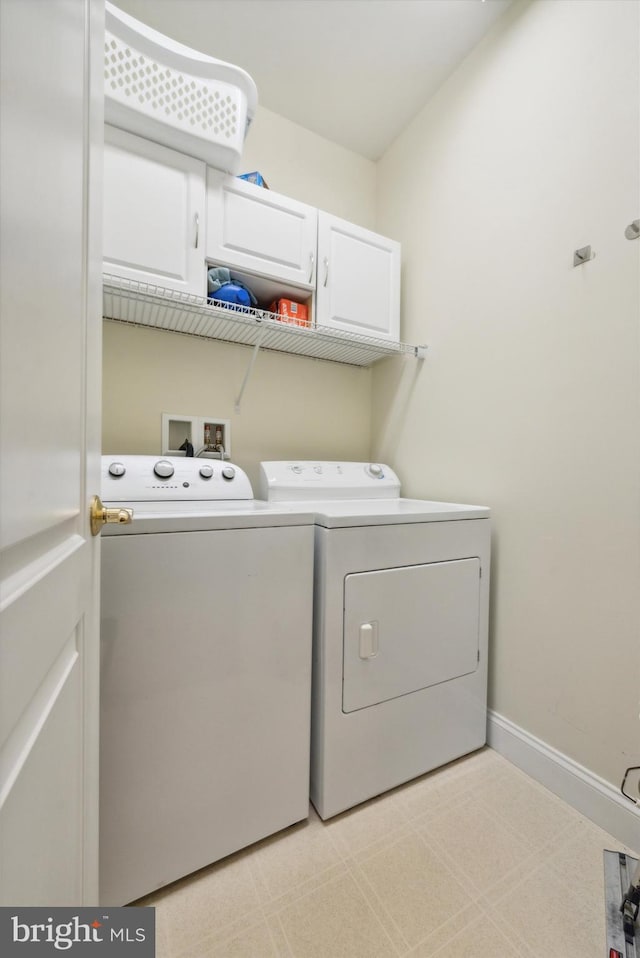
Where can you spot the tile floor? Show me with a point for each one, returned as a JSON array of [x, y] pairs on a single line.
[[475, 860]]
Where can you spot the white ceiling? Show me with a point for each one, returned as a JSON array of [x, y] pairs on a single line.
[[353, 71]]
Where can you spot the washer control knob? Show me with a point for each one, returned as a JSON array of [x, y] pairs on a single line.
[[228, 472], [375, 470], [296, 469], [116, 469], [163, 468], [206, 472]]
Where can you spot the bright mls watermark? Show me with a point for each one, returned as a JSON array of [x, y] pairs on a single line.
[[80, 932]]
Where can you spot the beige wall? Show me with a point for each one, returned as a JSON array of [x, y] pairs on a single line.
[[305, 166], [292, 407], [529, 398]]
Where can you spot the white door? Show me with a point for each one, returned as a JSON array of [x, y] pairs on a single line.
[[50, 311], [255, 229], [154, 213], [358, 284]]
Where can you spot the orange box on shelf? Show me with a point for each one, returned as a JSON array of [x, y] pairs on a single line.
[[297, 314]]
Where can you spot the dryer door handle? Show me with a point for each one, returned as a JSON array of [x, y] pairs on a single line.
[[368, 640]]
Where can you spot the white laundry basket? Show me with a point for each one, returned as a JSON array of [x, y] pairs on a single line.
[[165, 91]]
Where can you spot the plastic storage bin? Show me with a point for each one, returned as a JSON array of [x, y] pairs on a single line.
[[166, 92]]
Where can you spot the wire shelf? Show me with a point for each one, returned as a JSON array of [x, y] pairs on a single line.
[[143, 304]]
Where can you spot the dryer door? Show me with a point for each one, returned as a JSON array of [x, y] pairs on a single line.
[[408, 628]]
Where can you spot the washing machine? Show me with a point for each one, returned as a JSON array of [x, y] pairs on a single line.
[[206, 670], [401, 602]]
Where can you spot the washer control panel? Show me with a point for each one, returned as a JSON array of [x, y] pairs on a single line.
[[299, 481], [171, 478]]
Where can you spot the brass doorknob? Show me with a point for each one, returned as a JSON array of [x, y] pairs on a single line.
[[100, 515]]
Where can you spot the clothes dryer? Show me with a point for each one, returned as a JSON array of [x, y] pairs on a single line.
[[401, 603], [206, 670]]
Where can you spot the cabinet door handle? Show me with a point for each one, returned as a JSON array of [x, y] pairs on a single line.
[[326, 271], [312, 263], [197, 218]]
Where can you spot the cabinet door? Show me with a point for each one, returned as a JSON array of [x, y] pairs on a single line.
[[358, 288], [255, 229], [154, 213]]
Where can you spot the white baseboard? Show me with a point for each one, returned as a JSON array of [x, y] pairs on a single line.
[[583, 790]]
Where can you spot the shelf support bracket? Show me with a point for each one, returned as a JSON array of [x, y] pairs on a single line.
[[247, 375]]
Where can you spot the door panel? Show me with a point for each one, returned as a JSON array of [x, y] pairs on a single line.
[[358, 280], [29, 651], [154, 213], [50, 297], [259, 230], [42, 816], [408, 628]]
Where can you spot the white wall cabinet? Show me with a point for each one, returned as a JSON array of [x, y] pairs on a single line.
[[255, 229], [358, 283], [154, 213], [167, 217]]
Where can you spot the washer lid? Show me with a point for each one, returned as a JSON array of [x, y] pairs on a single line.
[[194, 516]]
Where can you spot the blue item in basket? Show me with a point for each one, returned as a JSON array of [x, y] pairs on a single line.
[[231, 293], [224, 289]]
